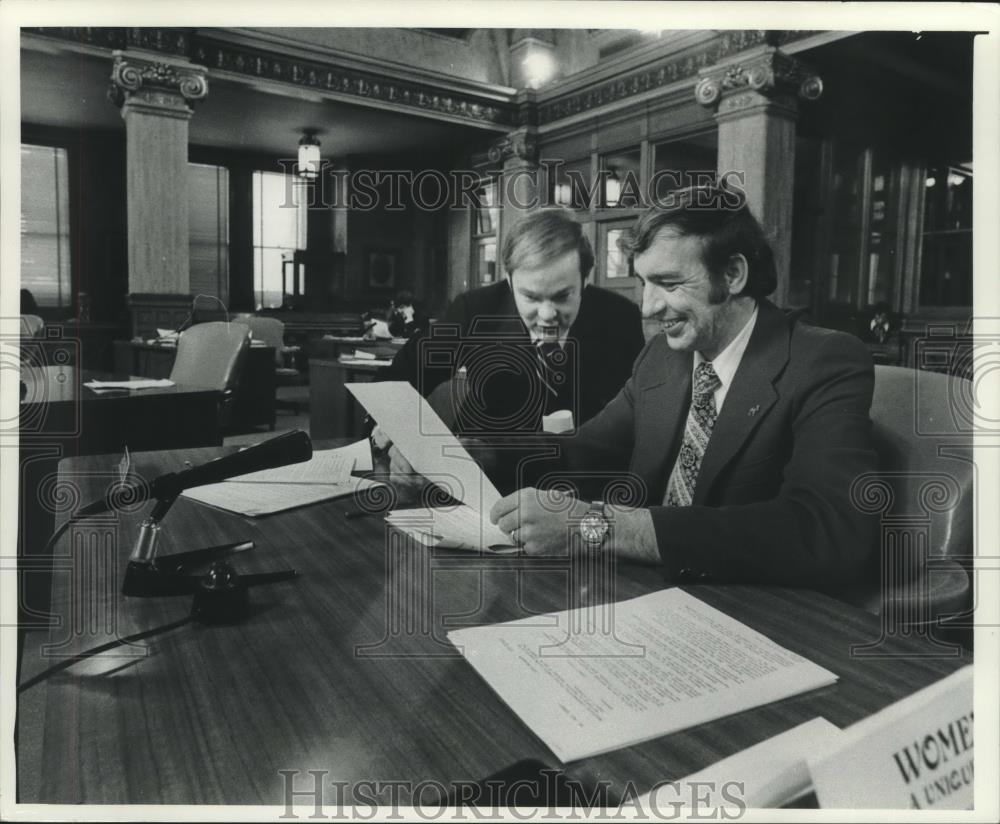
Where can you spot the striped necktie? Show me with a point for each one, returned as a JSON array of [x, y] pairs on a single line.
[[697, 431]]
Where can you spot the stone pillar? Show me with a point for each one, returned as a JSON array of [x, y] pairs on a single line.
[[755, 95], [519, 182], [153, 91]]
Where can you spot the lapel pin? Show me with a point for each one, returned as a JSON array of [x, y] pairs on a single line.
[[753, 410]]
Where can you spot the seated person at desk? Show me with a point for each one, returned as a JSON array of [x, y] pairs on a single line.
[[743, 429], [540, 341]]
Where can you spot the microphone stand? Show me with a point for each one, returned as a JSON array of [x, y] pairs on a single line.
[[149, 574]]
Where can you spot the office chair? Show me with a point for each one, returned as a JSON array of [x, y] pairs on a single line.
[[923, 492], [211, 355], [272, 332], [31, 326]]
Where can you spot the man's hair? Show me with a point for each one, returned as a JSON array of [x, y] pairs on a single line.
[[544, 236], [721, 219]]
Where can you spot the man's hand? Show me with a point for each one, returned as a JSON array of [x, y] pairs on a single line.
[[380, 440], [539, 520]]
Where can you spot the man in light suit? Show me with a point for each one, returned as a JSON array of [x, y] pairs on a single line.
[[539, 341], [742, 429]]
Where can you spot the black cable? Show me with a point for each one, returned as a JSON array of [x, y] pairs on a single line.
[[81, 656]]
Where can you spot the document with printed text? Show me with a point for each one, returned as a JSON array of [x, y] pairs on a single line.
[[453, 527], [666, 662]]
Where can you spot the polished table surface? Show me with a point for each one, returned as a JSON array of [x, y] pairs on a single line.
[[347, 668]]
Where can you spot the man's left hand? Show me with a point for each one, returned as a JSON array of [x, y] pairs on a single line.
[[541, 520]]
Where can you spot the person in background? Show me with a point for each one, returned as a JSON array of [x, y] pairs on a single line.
[[405, 320], [29, 306], [541, 344]]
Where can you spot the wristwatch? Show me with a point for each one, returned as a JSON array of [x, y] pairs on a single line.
[[594, 525]]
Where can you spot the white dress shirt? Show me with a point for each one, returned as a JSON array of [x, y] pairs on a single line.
[[728, 360]]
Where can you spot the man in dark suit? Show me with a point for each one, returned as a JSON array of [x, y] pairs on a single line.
[[539, 342], [741, 430]]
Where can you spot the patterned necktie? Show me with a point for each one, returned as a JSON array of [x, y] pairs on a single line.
[[697, 431]]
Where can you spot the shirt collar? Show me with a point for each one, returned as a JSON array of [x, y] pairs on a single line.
[[728, 360]]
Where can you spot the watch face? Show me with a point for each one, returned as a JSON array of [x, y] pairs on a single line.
[[593, 528]]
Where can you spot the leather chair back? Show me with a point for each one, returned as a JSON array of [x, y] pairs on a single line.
[[210, 355], [922, 430], [269, 330]]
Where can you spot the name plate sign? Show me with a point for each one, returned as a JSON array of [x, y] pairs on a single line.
[[915, 754]]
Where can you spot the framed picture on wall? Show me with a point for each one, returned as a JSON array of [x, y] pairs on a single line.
[[381, 267]]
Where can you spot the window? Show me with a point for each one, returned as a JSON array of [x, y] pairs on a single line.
[[621, 176], [279, 229], [569, 184], [208, 230], [484, 229], [690, 161], [946, 256], [45, 229]]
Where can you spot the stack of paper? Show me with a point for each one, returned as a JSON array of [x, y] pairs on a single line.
[[325, 476], [670, 663], [455, 527]]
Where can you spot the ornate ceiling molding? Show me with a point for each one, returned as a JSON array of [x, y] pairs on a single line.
[[663, 73], [317, 75]]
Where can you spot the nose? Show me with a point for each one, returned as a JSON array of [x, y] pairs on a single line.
[[547, 313], [653, 301]]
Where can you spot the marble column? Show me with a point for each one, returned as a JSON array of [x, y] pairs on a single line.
[[755, 96], [154, 92]]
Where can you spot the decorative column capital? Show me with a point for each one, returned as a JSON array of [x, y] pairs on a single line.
[[762, 74], [520, 145], [156, 82]]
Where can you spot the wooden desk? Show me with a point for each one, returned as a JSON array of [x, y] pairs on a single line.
[[254, 404], [347, 669], [333, 411], [60, 417]]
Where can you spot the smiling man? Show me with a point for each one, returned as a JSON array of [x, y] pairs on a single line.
[[541, 341], [742, 429]]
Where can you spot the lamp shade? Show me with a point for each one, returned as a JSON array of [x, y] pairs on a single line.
[[309, 158]]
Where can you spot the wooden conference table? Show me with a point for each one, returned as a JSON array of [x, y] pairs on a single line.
[[347, 668]]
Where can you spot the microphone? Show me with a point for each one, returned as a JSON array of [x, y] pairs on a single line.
[[292, 447]]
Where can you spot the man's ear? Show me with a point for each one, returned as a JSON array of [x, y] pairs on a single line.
[[737, 271]]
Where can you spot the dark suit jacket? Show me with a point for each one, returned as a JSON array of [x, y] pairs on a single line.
[[773, 497], [483, 332]]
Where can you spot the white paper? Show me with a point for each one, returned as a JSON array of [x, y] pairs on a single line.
[[327, 466], [266, 499], [138, 383], [455, 527], [772, 773], [669, 662], [430, 447], [360, 354]]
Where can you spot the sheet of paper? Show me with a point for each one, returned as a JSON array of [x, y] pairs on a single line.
[[266, 499], [670, 663], [138, 383], [365, 361], [457, 527], [772, 773], [430, 447], [360, 452], [326, 466]]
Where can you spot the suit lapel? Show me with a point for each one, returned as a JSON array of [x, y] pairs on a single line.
[[662, 411], [750, 396]]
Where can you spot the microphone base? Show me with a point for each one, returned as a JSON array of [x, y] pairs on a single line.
[[145, 580]]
